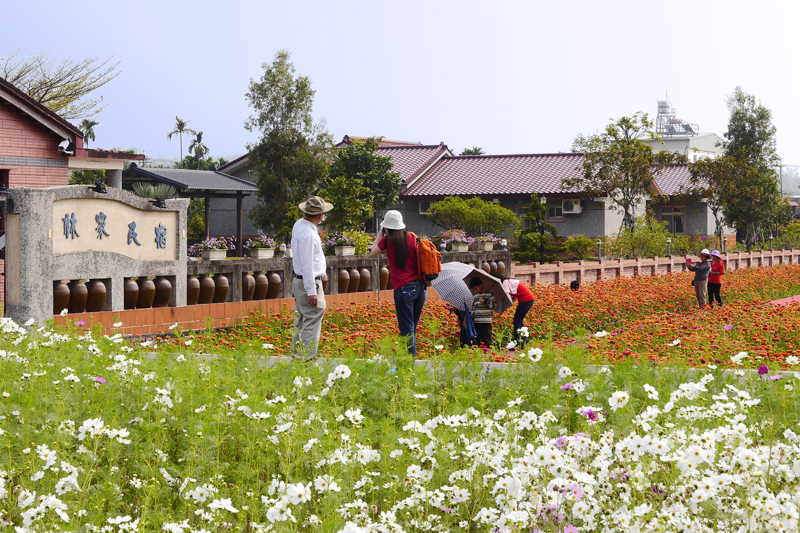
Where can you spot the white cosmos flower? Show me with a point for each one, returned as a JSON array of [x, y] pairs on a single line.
[[511, 345], [64, 312], [792, 360], [267, 346], [535, 354], [564, 372], [674, 343], [224, 503], [601, 334], [738, 357], [439, 346], [421, 396], [298, 493], [188, 343], [652, 393], [618, 400]]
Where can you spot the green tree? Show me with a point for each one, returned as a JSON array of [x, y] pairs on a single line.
[[350, 201], [474, 215], [87, 127], [190, 162], [198, 148], [61, 85], [751, 196], [475, 150], [539, 241], [706, 184], [181, 128], [378, 182], [291, 159], [196, 217], [86, 177], [620, 165]]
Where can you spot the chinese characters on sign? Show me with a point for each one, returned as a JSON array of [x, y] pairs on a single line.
[[71, 229], [101, 225], [70, 226]]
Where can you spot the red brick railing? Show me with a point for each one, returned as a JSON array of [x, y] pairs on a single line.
[[588, 271]]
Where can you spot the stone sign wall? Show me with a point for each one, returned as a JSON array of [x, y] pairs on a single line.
[[74, 233]]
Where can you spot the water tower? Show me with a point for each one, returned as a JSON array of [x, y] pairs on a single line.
[[669, 125]]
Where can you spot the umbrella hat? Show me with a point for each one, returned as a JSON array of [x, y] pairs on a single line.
[[451, 287], [493, 285]]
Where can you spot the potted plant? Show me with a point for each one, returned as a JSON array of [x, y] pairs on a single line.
[[340, 243], [213, 248], [486, 242], [261, 246], [457, 239]]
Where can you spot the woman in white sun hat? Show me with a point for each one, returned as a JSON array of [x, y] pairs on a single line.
[[400, 247], [701, 271]]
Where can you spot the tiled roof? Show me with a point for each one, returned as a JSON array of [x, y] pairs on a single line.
[[411, 161], [384, 142], [672, 178], [497, 175], [190, 180], [38, 112]]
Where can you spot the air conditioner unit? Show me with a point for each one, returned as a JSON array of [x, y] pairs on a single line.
[[571, 207], [424, 206]]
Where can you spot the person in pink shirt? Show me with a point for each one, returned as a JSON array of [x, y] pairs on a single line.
[[715, 279]]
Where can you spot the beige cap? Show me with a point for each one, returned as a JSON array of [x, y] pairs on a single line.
[[315, 206]]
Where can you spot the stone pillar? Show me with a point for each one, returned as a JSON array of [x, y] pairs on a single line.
[[114, 178]]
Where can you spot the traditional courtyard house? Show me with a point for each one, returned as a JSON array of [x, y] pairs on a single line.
[[38, 148], [429, 173]]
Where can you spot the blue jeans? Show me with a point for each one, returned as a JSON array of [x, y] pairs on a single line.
[[408, 302]]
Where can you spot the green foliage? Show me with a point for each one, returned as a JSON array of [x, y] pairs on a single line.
[[87, 127], [788, 236], [649, 239], [350, 203], [360, 161], [580, 246], [157, 190], [208, 163], [292, 156], [198, 147], [196, 219], [475, 150], [618, 164], [331, 239], [750, 134], [181, 128], [86, 177], [473, 215], [538, 242]]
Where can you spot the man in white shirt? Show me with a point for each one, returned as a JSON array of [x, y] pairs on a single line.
[[309, 265]]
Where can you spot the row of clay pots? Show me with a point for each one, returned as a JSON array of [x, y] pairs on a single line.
[[354, 280], [145, 293], [79, 296], [494, 268], [206, 289]]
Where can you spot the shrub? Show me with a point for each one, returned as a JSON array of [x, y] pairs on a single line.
[[473, 215], [580, 246]]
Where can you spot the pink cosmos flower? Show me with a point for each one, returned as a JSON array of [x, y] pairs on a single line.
[[763, 369], [99, 379]]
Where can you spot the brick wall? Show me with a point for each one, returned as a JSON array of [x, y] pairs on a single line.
[[30, 158]]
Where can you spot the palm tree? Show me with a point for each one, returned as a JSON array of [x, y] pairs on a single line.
[[181, 129], [198, 148], [87, 127]]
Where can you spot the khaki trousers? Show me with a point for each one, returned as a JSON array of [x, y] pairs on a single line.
[[307, 321], [700, 290]]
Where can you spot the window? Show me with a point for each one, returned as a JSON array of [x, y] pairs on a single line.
[[555, 213], [675, 218]]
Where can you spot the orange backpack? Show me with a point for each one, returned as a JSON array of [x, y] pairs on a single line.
[[429, 262]]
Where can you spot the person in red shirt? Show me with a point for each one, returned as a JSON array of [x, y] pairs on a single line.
[[522, 294], [410, 293], [715, 279]]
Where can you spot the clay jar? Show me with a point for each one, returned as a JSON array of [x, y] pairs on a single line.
[[97, 296], [324, 279], [60, 297], [501, 268], [78, 294], [492, 268], [487, 268], [163, 292], [344, 281], [274, 289], [192, 290], [131, 291], [147, 292], [366, 276], [384, 277], [262, 286], [248, 287], [355, 280], [221, 288], [207, 288]]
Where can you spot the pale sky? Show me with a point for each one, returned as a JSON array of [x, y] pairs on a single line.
[[508, 76]]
